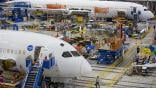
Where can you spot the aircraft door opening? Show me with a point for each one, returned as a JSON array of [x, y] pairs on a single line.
[[37, 52], [121, 14], [134, 9]]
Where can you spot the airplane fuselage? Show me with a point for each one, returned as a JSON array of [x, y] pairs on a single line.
[[106, 9], [18, 45]]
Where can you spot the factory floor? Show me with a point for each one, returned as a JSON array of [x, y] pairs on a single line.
[[112, 76], [116, 76]]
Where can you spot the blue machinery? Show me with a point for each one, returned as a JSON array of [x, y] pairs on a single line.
[[108, 56], [89, 46], [20, 10], [153, 48], [35, 72]]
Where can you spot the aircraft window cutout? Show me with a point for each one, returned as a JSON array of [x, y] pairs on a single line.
[[8, 50], [19, 51], [20, 3], [66, 54], [3, 50], [75, 53], [23, 52], [131, 12], [145, 9], [12, 51], [139, 12], [73, 9], [0, 50], [134, 9], [15, 51]]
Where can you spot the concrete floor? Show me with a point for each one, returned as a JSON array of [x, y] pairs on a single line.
[[112, 76], [115, 77]]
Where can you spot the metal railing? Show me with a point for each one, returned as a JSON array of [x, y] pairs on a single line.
[[38, 77], [29, 69]]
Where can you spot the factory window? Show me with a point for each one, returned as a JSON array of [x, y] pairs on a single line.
[[66, 54], [75, 53]]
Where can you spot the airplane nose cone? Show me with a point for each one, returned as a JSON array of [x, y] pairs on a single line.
[[85, 68], [151, 15]]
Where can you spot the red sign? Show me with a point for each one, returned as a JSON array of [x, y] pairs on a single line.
[[101, 10], [56, 6]]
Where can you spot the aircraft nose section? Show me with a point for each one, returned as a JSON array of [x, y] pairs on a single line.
[[150, 15], [85, 68]]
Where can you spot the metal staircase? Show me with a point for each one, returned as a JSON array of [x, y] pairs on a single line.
[[35, 71], [34, 77]]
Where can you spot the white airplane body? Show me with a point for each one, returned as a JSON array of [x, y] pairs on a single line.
[[153, 65], [106, 9], [16, 45]]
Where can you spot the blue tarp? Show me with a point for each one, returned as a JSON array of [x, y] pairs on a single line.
[[108, 56], [153, 48]]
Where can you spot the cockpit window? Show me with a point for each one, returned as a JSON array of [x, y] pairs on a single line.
[[145, 9], [75, 53], [139, 12], [66, 54]]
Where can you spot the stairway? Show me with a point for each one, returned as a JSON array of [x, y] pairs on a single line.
[[35, 72], [33, 77]]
